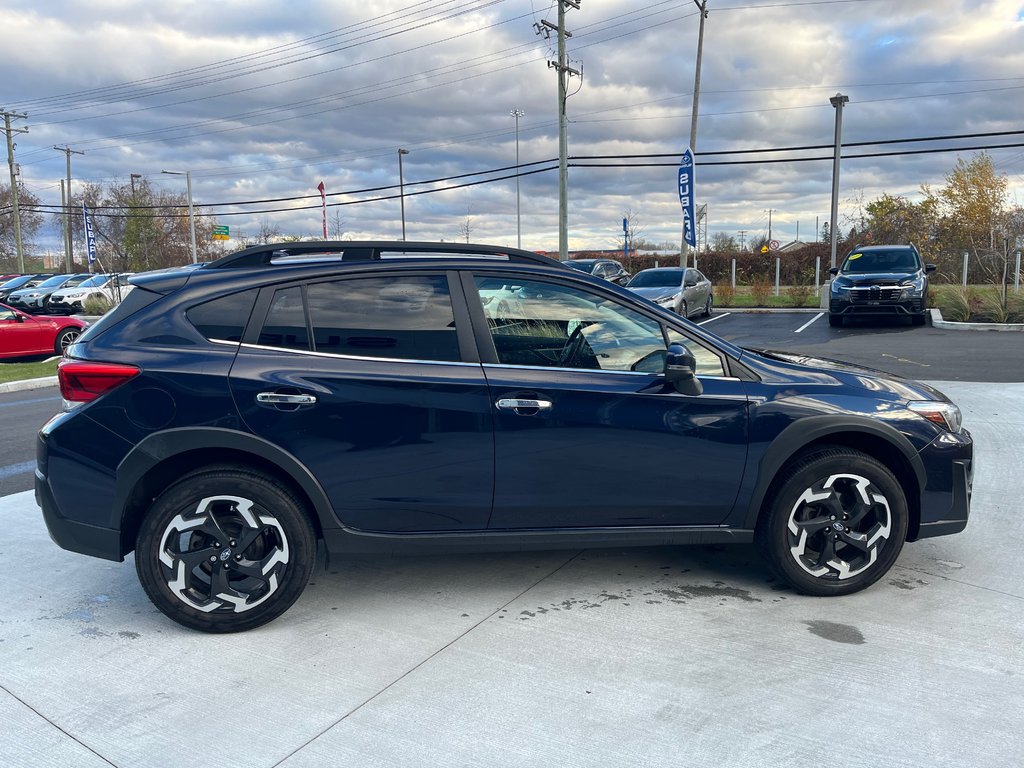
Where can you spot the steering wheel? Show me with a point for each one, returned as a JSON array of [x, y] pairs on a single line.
[[572, 346]]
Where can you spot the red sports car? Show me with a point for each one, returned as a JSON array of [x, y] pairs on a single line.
[[23, 335]]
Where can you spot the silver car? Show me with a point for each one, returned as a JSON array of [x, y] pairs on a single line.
[[684, 291]]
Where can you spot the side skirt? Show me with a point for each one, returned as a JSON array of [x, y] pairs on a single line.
[[349, 541]]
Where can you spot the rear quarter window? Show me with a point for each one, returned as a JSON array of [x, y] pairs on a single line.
[[223, 318]]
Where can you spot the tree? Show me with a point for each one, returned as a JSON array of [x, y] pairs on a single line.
[[31, 223], [467, 226], [335, 225], [723, 242], [895, 219]]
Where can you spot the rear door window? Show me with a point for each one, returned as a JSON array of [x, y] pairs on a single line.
[[406, 317]]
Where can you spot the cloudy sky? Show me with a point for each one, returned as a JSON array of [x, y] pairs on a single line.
[[263, 100]]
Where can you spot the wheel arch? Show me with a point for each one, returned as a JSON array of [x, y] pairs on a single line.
[[872, 438], [163, 457]]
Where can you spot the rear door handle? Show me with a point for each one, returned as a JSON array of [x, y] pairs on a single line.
[[278, 398], [523, 406]]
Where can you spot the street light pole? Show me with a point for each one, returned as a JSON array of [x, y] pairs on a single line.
[[836, 101], [401, 186], [191, 213], [517, 113]]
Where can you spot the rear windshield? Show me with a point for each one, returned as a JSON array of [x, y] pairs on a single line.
[[895, 260], [657, 278]]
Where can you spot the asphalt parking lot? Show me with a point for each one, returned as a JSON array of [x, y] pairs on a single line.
[[676, 656]]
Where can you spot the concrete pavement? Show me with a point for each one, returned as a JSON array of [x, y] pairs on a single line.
[[670, 656]]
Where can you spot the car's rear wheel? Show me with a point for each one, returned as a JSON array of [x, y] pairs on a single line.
[[708, 306], [836, 524], [65, 339], [225, 549]]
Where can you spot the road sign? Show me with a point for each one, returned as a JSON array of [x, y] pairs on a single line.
[[774, 245], [221, 233]]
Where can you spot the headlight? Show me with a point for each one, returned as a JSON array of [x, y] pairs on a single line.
[[669, 299], [838, 287], [913, 287], [946, 415], [77, 295]]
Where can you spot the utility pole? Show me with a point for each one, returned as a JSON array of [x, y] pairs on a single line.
[[743, 239], [517, 113], [68, 151], [836, 101], [14, 181], [65, 223], [401, 187], [544, 27], [703, 8], [769, 225]]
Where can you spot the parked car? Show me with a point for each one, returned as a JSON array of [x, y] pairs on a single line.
[[684, 291], [24, 335], [33, 298], [880, 280], [607, 269], [362, 394], [71, 300], [22, 281]]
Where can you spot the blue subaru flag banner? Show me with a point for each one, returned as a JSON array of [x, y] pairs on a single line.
[[90, 237], [686, 197]]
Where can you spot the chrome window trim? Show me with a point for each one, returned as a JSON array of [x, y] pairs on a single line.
[[337, 356], [595, 370]]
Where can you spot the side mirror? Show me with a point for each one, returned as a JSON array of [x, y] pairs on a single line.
[[679, 370], [929, 267], [689, 283], [834, 271], [19, 317]]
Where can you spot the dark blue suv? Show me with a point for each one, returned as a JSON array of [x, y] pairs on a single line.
[[412, 396], [880, 280]]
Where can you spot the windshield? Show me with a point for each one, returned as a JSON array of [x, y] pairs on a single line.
[[53, 282], [78, 280], [94, 281], [657, 278], [17, 281], [895, 260], [582, 266]]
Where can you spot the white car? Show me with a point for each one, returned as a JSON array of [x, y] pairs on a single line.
[[70, 301]]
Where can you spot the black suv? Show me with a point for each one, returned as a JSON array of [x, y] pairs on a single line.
[[886, 280], [405, 397]]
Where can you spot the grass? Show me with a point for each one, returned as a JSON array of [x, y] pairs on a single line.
[[23, 371], [744, 297], [978, 304]]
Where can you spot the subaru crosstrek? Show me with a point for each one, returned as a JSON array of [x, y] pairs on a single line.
[[885, 280], [374, 396]]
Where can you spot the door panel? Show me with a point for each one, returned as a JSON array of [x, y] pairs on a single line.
[[397, 446], [614, 449]]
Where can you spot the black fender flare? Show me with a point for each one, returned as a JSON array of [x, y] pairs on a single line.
[[161, 446], [813, 429]]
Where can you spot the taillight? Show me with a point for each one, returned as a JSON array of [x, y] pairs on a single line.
[[82, 381]]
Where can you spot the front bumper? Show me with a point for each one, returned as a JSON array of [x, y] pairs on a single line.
[[843, 304], [946, 497]]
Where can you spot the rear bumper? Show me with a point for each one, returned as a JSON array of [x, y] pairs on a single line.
[[72, 535]]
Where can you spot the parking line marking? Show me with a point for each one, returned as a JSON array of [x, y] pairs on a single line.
[[716, 317], [16, 469], [820, 314]]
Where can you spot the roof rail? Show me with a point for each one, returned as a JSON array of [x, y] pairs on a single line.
[[351, 250]]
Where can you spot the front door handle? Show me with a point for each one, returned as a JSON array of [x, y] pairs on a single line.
[[279, 398], [523, 406]]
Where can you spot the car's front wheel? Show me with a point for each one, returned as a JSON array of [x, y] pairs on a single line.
[[225, 549], [836, 524], [65, 339], [836, 321]]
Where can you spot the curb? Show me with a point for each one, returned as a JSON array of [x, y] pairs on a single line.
[[26, 384], [949, 325], [767, 310]]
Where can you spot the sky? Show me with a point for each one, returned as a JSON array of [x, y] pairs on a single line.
[[261, 101]]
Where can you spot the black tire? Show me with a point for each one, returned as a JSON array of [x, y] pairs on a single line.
[[65, 339], [836, 321], [918, 319], [247, 579], [709, 306], [835, 525]]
